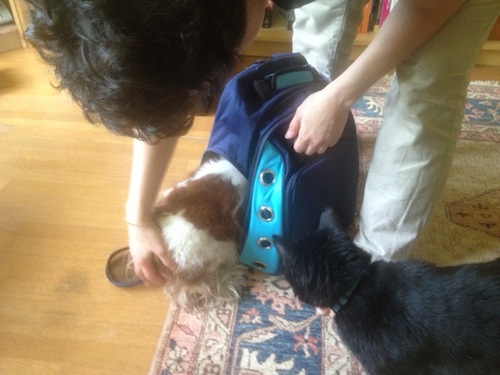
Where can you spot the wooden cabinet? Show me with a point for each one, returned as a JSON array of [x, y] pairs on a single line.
[[12, 33]]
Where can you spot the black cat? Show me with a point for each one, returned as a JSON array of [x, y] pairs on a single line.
[[399, 318]]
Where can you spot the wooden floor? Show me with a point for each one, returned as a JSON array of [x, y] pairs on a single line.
[[63, 185]]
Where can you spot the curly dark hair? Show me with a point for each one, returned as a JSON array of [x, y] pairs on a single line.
[[142, 68]]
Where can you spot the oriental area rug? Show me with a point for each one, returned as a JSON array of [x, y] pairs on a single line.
[[269, 332]]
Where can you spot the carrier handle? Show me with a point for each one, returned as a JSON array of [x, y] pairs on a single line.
[[285, 78]]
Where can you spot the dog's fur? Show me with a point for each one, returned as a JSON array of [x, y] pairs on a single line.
[[406, 317], [200, 222]]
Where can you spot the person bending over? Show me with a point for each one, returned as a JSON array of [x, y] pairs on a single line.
[[146, 68]]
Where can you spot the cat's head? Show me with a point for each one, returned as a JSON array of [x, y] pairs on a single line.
[[322, 266]]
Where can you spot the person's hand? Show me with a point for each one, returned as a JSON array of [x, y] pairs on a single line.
[[152, 261], [317, 124]]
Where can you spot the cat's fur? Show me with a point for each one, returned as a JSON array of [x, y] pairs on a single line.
[[405, 317], [200, 220]]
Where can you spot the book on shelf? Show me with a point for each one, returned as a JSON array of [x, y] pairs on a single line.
[[267, 22], [365, 20], [384, 11], [375, 13], [278, 17]]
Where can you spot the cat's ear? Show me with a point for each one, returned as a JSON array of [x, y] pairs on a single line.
[[328, 220], [281, 246]]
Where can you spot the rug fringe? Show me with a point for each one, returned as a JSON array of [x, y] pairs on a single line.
[[485, 83]]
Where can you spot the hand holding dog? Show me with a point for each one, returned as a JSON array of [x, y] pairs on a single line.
[[152, 261], [150, 255]]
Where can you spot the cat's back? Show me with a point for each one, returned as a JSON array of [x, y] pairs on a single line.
[[398, 293], [446, 292], [415, 315]]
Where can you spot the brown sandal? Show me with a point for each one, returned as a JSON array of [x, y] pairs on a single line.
[[119, 269]]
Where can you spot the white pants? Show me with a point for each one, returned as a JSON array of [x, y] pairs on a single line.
[[422, 115]]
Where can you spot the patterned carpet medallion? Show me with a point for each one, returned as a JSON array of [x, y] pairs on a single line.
[[481, 213], [269, 332]]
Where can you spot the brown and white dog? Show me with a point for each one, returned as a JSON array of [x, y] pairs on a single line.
[[200, 220]]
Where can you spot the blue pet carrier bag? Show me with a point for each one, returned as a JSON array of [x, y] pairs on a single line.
[[287, 191]]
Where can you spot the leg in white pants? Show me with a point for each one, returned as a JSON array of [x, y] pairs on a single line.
[[324, 31], [423, 114], [422, 120]]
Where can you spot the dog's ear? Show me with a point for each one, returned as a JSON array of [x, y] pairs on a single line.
[[328, 219], [282, 247]]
